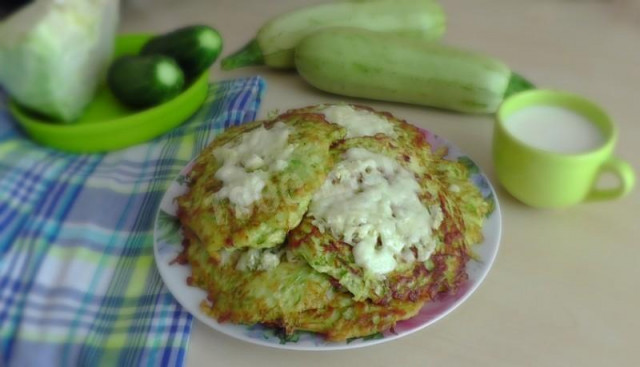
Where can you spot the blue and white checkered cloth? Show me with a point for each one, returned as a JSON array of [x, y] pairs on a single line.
[[78, 283]]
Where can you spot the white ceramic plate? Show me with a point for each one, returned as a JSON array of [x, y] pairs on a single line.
[[167, 245]]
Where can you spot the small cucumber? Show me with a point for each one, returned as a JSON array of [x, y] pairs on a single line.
[[145, 81], [360, 63], [275, 41], [195, 48]]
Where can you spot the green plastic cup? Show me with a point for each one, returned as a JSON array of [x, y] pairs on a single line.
[[549, 179]]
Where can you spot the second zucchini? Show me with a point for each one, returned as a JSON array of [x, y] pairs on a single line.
[[366, 64]]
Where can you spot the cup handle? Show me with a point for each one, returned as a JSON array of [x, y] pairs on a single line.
[[626, 177]]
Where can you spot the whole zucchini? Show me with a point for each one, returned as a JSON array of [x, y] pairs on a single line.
[[194, 48], [360, 63], [275, 41], [145, 81]]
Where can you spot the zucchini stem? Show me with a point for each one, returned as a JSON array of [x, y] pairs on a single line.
[[248, 55], [517, 83]]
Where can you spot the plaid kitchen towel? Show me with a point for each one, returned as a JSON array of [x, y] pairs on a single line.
[[78, 283]]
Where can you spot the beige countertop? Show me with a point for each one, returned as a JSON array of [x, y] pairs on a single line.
[[565, 288]]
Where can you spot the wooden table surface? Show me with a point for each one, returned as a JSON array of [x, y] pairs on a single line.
[[565, 288]]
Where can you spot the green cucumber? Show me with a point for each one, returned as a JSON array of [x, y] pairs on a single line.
[[145, 81], [195, 48], [360, 63], [275, 41]]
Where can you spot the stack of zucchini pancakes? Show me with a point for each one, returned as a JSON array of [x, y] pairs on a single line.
[[335, 219]]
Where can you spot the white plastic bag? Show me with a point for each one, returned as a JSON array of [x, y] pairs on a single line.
[[54, 53]]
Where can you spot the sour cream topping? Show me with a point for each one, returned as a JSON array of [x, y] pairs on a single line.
[[258, 259], [249, 161], [371, 202], [358, 122]]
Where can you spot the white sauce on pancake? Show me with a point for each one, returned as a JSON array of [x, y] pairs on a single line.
[[258, 259], [249, 161], [358, 122], [371, 202]]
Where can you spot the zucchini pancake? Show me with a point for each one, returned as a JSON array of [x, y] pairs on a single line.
[[253, 183], [334, 219]]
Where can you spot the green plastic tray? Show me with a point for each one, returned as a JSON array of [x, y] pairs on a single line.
[[107, 124]]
